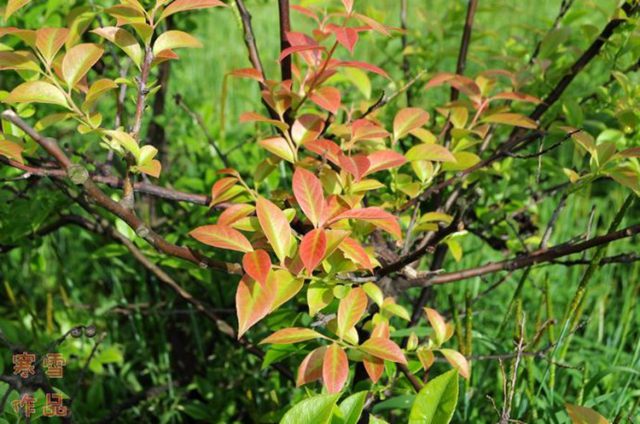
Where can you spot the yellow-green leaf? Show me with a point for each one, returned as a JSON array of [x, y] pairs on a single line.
[[37, 92], [515, 119], [174, 39], [123, 39], [583, 415], [276, 227], [13, 6], [430, 152], [78, 61]]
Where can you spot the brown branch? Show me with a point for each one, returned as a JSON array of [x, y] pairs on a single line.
[[523, 261], [564, 8], [284, 15], [79, 175], [464, 44]]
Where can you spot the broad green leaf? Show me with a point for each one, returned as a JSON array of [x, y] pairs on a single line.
[[374, 292], [351, 408], [314, 410], [438, 324], [430, 152], [123, 39], [78, 61], [319, 295], [436, 402], [287, 286], [173, 40], [37, 92]]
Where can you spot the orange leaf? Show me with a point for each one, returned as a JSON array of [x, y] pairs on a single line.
[[437, 323], [184, 5], [355, 165], [512, 95], [325, 148], [335, 368], [257, 264], [363, 129], [376, 216], [308, 192], [407, 120], [328, 98], [219, 188], [49, 41], [374, 367], [292, 335], [279, 147], [514, 119], [351, 309], [355, 252], [174, 39], [235, 212], [313, 248], [383, 348], [306, 128], [275, 226], [222, 236], [582, 415], [363, 65], [78, 60], [457, 361], [381, 330], [384, 159], [311, 367], [152, 168], [11, 150], [253, 303], [247, 73]]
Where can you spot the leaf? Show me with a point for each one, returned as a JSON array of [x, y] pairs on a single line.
[[152, 168], [374, 215], [123, 39], [348, 4], [374, 292], [257, 264], [185, 5], [383, 348], [173, 40], [457, 361], [96, 90], [220, 188], [518, 97], [351, 309], [354, 251], [310, 368], [286, 286], [11, 150], [235, 212], [314, 410], [364, 66], [37, 92], [431, 152], [436, 402], [13, 6], [351, 407], [308, 192], [253, 302], [582, 415], [279, 147], [78, 61], [256, 117], [356, 165], [306, 129], [275, 226], [438, 324], [49, 41], [374, 367], [292, 335], [426, 357], [319, 295], [328, 98], [514, 119], [222, 236], [407, 120], [384, 159], [19, 60], [325, 148], [335, 368], [313, 249]]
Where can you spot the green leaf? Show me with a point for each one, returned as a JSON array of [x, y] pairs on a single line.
[[37, 92], [436, 402], [314, 410], [351, 409], [78, 60], [174, 39]]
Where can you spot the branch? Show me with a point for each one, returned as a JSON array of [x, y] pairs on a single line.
[[464, 44], [523, 261], [79, 175], [285, 27]]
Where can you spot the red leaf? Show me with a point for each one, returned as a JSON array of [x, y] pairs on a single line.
[[220, 187], [253, 302], [325, 148], [383, 348], [381, 330], [363, 129], [328, 98], [335, 368], [347, 37], [247, 73], [407, 120], [312, 249], [298, 49], [292, 335], [311, 367], [351, 309], [378, 217], [374, 367], [355, 252], [222, 236], [308, 192], [257, 264], [384, 159], [355, 165], [363, 65]]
